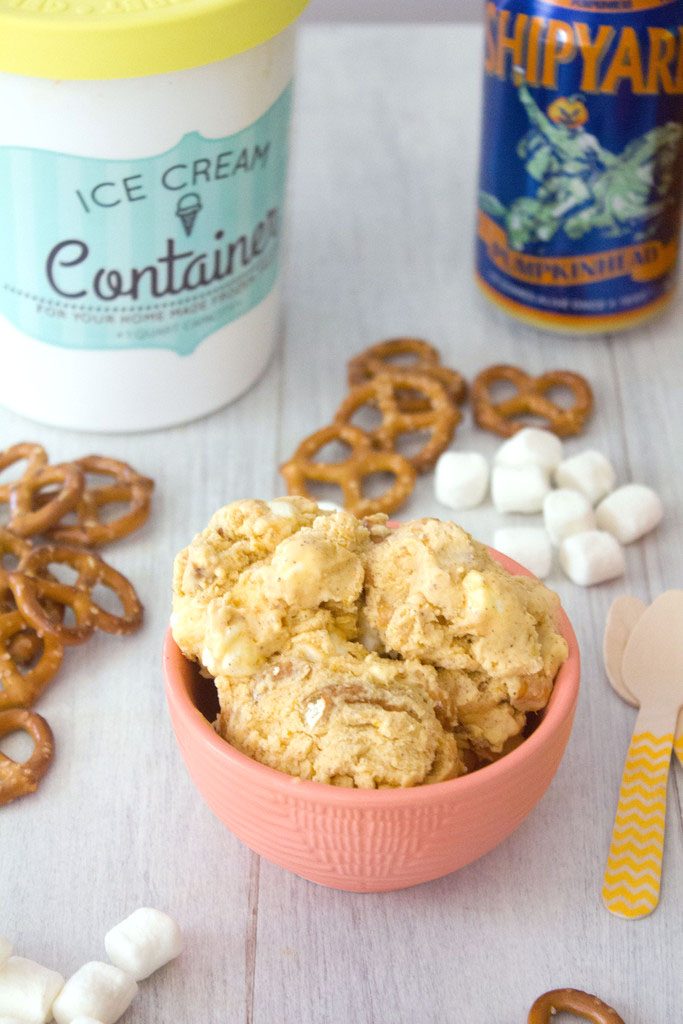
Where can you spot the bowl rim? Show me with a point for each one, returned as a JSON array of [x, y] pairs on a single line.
[[560, 706]]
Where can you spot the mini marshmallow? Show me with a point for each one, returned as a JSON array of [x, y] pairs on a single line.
[[282, 508], [566, 512], [531, 446], [28, 990], [5, 950], [329, 506], [528, 545], [96, 990], [519, 488], [630, 512], [144, 942], [592, 557], [461, 479], [589, 472]]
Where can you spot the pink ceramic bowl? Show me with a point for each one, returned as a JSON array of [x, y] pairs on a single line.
[[367, 840]]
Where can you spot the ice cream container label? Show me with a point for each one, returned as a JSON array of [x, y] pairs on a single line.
[[158, 252], [582, 159]]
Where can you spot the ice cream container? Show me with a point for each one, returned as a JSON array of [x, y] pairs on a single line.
[[143, 161]]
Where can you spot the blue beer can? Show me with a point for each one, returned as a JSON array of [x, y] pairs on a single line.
[[581, 161]]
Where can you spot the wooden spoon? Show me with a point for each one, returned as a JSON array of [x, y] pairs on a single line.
[[621, 618], [652, 671]]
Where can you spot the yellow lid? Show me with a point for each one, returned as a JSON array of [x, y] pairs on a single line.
[[94, 39]]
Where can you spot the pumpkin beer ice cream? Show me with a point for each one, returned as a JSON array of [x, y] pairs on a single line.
[[350, 653]]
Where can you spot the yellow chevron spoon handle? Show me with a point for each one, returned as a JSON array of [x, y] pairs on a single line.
[[634, 864]]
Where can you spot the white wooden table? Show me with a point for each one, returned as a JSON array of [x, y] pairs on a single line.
[[382, 223]]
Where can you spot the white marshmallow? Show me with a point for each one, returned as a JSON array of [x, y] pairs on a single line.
[[630, 512], [28, 990], [11, 1020], [531, 446], [519, 488], [96, 990], [589, 472], [592, 557], [329, 506], [461, 479], [528, 545], [566, 512], [5, 950], [144, 942]]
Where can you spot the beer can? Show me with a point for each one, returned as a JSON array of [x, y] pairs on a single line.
[[581, 160]]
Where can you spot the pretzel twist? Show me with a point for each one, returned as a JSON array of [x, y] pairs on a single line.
[[35, 456], [530, 400], [17, 778], [12, 547], [31, 594], [29, 584], [33, 631], [572, 1000], [384, 392], [128, 487], [22, 689], [25, 647], [349, 474], [27, 514], [424, 361], [382, 356]]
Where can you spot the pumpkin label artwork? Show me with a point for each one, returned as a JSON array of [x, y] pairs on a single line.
[[582, 160]]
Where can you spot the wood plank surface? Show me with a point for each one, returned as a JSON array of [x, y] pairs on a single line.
[[380, 243]]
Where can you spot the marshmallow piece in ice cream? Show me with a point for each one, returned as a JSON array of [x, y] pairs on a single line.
[[461, 479], [566, 512], [592, 557], [531, 446], [528, 545], [519, 488], [96, 990], [630, 512], [144, 942], [28, 990], [589, 472]]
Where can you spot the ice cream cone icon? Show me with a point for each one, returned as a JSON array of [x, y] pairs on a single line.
[[187, 209]]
